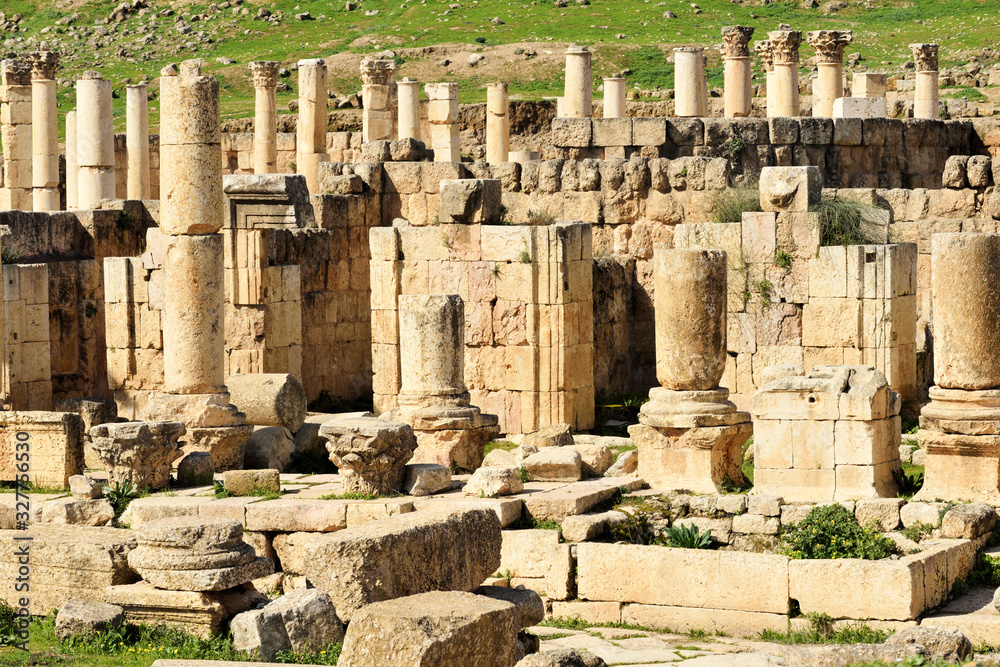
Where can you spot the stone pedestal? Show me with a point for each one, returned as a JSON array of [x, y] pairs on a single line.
[[783, 95], [72, 169], [370, 453], [44, 131], [869, 84], [310, 135], [690, 435], [829, 83], [738, 102], [378, 94], [138, 452], [265, 119], [578, 96], [960, 427], [408, 93], [15, 134], [766, 54], [433, 398], [497, 123], [614, 97], [442, 116], [690, 83], [137, 141], [95, 141], [925, 96]]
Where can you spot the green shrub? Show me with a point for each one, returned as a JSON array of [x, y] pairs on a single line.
[[730, 204], [635, 529], [120, 495], [917, 531], [832, 531], [687, 537], [908, 482], [847, 222]]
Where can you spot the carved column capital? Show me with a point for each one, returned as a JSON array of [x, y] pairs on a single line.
[[785, 46], [765, 52], [264, 73], [43, 64], [377, 72], [830, 44], [15, 73], [925, 56], [736, 41]]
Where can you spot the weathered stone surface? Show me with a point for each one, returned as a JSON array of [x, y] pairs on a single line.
[[557, 504], [932, 644], [883, 511], [529, 605], [269, 447], [435, 629], [83, 487], [94, 512], [554, 464], [226, 444], [469, 201], [78, 618], [199, 534], [167, 558], [242, 482], [627, 464], [404, 555], [553, 435], [303, 621], [586, 527], [596, 459], [790, 188], [492, 482], [138, 452], [195, 469], [207, 580], [269, 399], [259, 634], [424, 479], [197, 613], [370, 453], [968, 521], [563, 657]]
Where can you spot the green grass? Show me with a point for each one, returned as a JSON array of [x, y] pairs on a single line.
[[963, 92], [823, 632], [351, 496], [499, 444]]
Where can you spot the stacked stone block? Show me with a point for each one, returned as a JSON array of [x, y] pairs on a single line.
[[95, 145], [44, 131], [15, 133], [56, 440], [442, 116], [379, 101], [27, 346]]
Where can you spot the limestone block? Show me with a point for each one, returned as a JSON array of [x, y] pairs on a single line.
[[817, 585], [554, 464], [224, 444], [954, 174], [80, 618], [302, 621], [968, 521], [596, 459], [552, 435], [269, 447], [404, 555], [699, 459], [195, 469], [242, 482], [494, 481], [978, 171], [790, 188], [557, 504], [587, 527], [612, 132], [138, 452], [269, 399], [755, 524], [857, 107], [197, 613], [370, 453], [56, 440], [626, 464], [531, 610], [571, 132], [883, 511], [95, 512], [424, 479], [83, 488], [470, 201], [435, 628]]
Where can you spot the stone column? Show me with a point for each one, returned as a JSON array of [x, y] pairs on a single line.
[[578, 96], [433, 398], [690, 435], [690, 83], [265, 120], [497, 123], [137, 141], [960, 427], [72, 167], [442, 116], [785, 93], [765, 52], [95, 141], [408, 94], [310, 135], [614, 97], [15, 134], [736, 58], [829, 83], [925, 95], [191, 213], [44, 131], [378, 94]]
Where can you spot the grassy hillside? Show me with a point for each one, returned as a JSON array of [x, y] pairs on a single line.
[[526, 50]]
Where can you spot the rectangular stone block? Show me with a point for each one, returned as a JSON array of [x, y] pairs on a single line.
[[796, 485], [571, 132], [885, 589], [858, 107], [590, 612], [686, 619], [54, 444], [538, 557], [649, 131], [290, 515], [612, 132], [833, 322]]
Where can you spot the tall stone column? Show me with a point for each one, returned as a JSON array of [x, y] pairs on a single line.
[[137, 141], [408, 95], [829, 83], [192, 211], [433, 398], [765, 52], [44, 131], [614, 97], [265, 119], [785, 94], [690, 82], [378, 94], [578, 96], [497, 123], [442, 116], [95, 141], [738, 72], [690, 435], [925, 94], [310, 134], [960, 427], [15, 134], [72, 167]]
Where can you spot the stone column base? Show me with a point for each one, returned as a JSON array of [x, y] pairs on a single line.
[[960, 467], [452, 433], [700, 460], [224, 443]]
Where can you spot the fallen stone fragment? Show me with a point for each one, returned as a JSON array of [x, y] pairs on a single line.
[[493, 482], [424, 479], [78, 618], [554, 464], [530, 608], [564, 657]]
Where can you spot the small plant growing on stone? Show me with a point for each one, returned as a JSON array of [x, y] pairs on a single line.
[[540, 218], [736, 145], [782, 259], [730, 204], [525, 477], [847, 222], [120, 495], [832, 531], [684, 172], [525, 257], [687, 537], [917, 531], [220, 491], [908, 482], [10, 255], [763, 289], [125, 221]]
